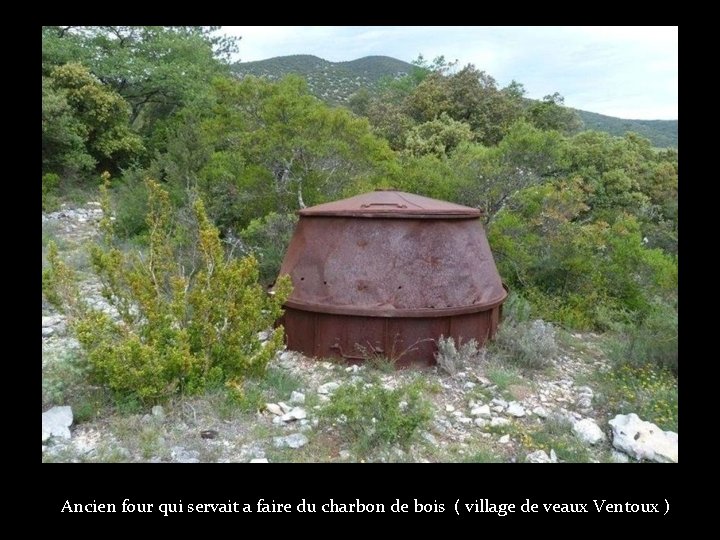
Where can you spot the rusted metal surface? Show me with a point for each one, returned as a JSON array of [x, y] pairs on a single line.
[[392, 204], [387, 273]]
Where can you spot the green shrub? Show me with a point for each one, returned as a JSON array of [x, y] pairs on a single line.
[[372, 416], [528, 344], [653, 341], [452, 358], [649, 392], [131, 198], [268, 239], [177, 331], [50, 183]]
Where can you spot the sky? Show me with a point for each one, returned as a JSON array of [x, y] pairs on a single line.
[[623, 71]]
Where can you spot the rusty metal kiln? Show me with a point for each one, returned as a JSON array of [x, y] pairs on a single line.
[[387, 273]]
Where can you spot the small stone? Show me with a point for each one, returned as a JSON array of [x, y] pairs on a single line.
[[539, 456], [481, 422], [296, 440], [588, 431], [469, 385], [584, 402], [51, 321], [352, 369], [457, 414], [483, 411], [56, 422], [504, 439], [344, 454], [297, 397], [181, 455], [501, 402], [47, 331], [429, 438], [483, 381], [464, 420], [285, 407], [498, 408], [263, 336], [498, 422], [585, 390], [449, 408], [274, 409], [328, 388], [286, 356], [553, 456], [540, 411], [515, 409], [158, 411], [619, 457], [297, 413], [259, 460]]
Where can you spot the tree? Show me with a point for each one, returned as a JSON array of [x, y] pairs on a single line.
[[63, 134], [550, 113], [470, 96], [84, 122], [157, 69], [438, 137]]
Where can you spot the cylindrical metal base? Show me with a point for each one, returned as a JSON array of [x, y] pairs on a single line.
[[404, 340]]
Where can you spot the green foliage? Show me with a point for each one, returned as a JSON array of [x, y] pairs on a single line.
[[63, 135], [551, 114], [177, 331], [355, 83], [154, 68], [371, 416], [84, 122], [528, 344], [268, 239], [333, 82], [503, 376], [575, 246], [556, 434], [649, 392], [50, 182], [274, 147], [661, 133], [438, 137], [488, 176], [648, 340], [470, 96], [131, 205]]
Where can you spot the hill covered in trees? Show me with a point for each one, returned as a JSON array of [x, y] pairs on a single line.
[[333, 82], [336, 82], [662, 133]]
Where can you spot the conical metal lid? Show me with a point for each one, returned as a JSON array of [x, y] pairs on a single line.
[[392, 204]]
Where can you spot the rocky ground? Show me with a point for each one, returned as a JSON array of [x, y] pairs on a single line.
[[487, 411]]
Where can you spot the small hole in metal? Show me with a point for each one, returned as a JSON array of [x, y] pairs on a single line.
[[399, 286], [324, 282], [302, 279]]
